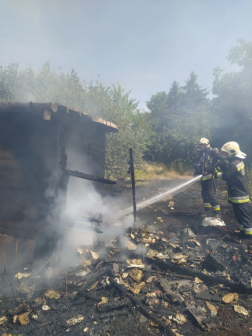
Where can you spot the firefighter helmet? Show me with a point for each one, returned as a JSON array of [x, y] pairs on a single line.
[[232, 148], [204, 141]]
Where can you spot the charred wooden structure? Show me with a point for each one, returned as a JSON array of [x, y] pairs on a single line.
[[41, 145]]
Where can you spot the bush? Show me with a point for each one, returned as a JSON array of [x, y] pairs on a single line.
[[249, 176]]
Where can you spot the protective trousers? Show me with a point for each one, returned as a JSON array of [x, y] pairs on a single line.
[[241, 211], [209, 196]]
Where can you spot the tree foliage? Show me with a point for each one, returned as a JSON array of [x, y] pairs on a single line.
[[178, 119], [185, 114], [232, 105]]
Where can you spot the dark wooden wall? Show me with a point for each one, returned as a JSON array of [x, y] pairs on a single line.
[[86, 147], [28, 154], [29, 164], [30, 175]]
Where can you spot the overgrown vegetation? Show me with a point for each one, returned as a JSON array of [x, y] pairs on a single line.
[[157, 171], [249, 176], [178, 118], [166, 134]]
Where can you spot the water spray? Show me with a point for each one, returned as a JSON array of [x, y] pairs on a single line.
[[157, 198]]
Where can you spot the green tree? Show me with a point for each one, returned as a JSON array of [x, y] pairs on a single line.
[[132, 131], [179, 119], [232, 105]]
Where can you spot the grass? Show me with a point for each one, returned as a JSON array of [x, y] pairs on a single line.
[[151, 171], [158, 172], [249, 176]]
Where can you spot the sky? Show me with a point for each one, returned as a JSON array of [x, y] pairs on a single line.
[[142, 44]]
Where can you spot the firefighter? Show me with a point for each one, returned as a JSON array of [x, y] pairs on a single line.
[[233, 172], [205, 165]]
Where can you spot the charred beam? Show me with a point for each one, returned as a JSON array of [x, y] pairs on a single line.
[[171, 274], [63, 163], [173, 296], [241, 288], [113, 305], [88, 177], [86, 297], [91, 280], [141, 308]]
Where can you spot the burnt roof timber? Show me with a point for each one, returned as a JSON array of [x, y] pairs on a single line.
[[6, 107]]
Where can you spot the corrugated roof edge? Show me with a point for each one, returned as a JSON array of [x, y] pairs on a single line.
[[53, 107]]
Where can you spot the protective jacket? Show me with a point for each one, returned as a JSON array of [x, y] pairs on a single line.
[[206, 163], [234, 174]]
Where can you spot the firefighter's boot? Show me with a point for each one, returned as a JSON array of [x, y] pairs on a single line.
[[242, 232], [216, 211]]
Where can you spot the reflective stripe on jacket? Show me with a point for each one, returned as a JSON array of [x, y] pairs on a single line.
[[207, 177], [234, 174]]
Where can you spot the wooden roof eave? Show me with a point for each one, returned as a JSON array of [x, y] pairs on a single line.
[[40, 108]]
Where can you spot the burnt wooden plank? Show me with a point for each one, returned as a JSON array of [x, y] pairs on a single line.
[[138, 304], [89, 177], [165, 265]]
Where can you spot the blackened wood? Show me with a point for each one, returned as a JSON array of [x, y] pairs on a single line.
[[88, 177], [141, 308], [206, 296], [173, 296], [113, 305], [204, 277], [171, 274], [63, 164], [93, 297], [85, 297], [91, 280]]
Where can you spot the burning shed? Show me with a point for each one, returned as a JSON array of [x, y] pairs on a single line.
[[39, 145]]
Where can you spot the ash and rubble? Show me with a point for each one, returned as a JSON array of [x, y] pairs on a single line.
[[148, 280]]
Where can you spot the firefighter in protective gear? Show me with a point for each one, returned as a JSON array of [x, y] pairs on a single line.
[[205, 165], [233, 172]]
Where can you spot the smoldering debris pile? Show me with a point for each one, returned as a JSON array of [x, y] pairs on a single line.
[[146, 282]]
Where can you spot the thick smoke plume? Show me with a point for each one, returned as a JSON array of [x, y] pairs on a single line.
[[66, 218]]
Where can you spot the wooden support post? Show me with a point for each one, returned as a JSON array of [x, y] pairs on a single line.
[[132, 172]]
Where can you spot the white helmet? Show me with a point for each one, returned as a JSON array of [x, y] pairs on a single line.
[[233, 150], [204, 141]]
